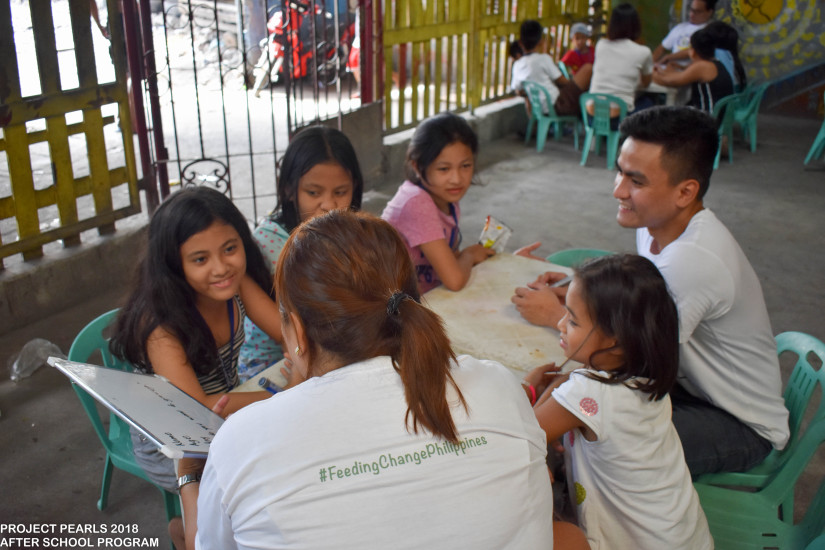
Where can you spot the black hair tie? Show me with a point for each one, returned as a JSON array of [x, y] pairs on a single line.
[[395, 301]]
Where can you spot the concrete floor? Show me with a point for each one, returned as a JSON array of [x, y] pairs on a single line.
[[52, 461]]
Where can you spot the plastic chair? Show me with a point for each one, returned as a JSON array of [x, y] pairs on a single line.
[[747, 110], [601, 124], [572, 257], [564, 70], [818, 148], [745, 519], [117, 440], [725, 121], [535, 92]]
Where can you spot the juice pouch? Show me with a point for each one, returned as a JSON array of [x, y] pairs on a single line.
[[495, 235]]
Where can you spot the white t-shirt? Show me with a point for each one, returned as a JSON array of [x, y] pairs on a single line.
[[617, 68], [538, 67], [632, 485], [727, 352], [330, 464], [678, 38]]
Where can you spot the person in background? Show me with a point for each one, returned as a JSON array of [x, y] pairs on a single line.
[[726, 42], [632, 486], [622, 65], [319, 172], [580, 52], [440, 168], [538, 67], [706, 75], [391, 441], [515, 51], [677, 40]]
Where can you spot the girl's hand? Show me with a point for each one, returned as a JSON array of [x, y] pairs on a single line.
[[527, 251], [293, 377], [195, 465], [478, 253], [541, 377]]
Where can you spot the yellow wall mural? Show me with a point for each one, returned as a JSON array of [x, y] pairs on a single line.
[[779, 37]]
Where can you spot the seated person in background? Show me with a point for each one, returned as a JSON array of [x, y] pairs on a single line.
[[726, 42], [515, 50], [727, 405], [390, 441], [541, 69], [622, 65], [707, 77], [677, 40], [580, 53]]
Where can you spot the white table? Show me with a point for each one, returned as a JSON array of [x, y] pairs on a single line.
[[482, 322]]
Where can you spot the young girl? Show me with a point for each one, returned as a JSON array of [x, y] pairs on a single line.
[[626, 467], [319, 173], [440, 162], [201, 274]]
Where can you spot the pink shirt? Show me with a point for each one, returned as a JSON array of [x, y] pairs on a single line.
[[414, 214]]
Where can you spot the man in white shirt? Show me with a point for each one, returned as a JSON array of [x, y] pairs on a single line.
[[727, 406], [677, 41]]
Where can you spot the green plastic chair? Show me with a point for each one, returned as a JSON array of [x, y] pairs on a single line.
[[747, 109], [818, 148], [601, 125], [817, 544], [801, 385], [764, 518], [564, 70], [572, 257], [535, 92], [725, 121], [117, 440]]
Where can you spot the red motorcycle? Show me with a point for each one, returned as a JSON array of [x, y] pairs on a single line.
[[291, 31]]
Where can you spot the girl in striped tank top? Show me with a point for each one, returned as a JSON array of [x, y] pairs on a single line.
[[201, 275]]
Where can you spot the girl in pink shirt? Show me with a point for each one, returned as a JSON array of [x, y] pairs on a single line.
[[440, 167]]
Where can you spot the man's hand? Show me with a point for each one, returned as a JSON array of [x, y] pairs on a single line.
[[539, 303], [527, 251]]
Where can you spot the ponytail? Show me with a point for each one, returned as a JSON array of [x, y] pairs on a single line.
[[334, 274], [423, 361]]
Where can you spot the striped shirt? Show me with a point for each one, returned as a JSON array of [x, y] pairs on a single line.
[[215, 381]]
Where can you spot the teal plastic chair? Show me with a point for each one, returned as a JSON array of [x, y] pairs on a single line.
[[817, 544], [116, 440], [535, 92], [572, 257], [600, 126], [725, 120], [818, 148], [764, 517], [801, 385], [564, 70], [747, 110]]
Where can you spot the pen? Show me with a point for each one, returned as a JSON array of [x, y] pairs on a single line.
[[264, 383], [562, 282]]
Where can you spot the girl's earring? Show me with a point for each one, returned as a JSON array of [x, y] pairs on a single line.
[[297, 350]]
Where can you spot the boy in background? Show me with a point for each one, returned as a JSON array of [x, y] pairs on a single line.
[[580, 54], [539, 67]]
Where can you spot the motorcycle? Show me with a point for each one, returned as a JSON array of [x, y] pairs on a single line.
[[288, 31]]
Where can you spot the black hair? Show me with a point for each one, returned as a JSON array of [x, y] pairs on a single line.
[[624, 23], [725, 37], [162, 297], [627, 299], [530, 34], [710, 4], [515, 50], [310, 147], [703, 44], [688, 137], [431, 136]]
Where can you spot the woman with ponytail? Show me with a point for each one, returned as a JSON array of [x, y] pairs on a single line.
[[390, 441]]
